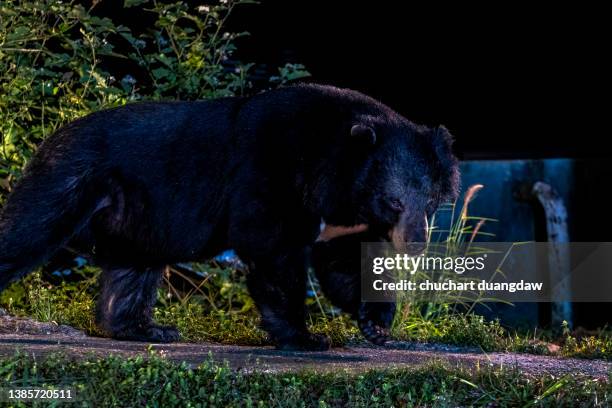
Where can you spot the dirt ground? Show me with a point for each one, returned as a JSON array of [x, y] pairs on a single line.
[[39, 339]]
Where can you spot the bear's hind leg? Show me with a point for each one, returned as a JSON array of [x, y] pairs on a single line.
[[125, 304]]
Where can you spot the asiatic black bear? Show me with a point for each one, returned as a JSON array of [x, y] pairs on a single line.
[[151, 184]]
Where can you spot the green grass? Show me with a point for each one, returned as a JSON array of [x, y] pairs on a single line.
[[238, 323], [71, 304], [472, 330], [449, 328], [74, 305], [198, 325], [587, 346], [154, 381]]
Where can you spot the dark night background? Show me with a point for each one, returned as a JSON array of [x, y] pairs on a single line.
[[508, 82]]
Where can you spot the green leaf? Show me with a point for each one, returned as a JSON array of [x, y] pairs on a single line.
[[160, 73], [133, 3]]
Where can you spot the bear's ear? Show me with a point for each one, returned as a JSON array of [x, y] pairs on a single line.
[[449, 165], [364, 133], [443, 137]]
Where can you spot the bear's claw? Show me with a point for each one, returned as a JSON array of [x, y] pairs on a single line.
[[373, 332]]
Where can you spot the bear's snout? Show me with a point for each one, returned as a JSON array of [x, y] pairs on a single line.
[[409, 235]]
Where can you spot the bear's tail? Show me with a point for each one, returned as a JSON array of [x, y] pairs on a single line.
[[49, 205]]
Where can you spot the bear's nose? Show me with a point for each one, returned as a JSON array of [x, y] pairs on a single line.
[[415, 248]]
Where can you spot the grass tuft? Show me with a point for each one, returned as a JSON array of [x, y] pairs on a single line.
[[73, 304], [457, 329], [138, 381]]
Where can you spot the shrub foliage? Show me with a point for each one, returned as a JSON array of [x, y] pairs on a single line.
[[60, 60]]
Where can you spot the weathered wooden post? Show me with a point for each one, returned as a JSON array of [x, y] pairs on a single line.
[[558, 254]]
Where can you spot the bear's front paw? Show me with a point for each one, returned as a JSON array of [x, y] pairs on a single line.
[[305, 342], [163, 334], [373, 332], [374, 321], [151, 333]]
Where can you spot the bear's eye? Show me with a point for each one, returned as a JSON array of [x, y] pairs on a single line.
[[396, 205]]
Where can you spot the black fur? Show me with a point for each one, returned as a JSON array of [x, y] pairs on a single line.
[[151, 184], [337, 266], [125, 306]]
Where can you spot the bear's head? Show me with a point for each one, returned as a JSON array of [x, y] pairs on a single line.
[[392, 176]]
